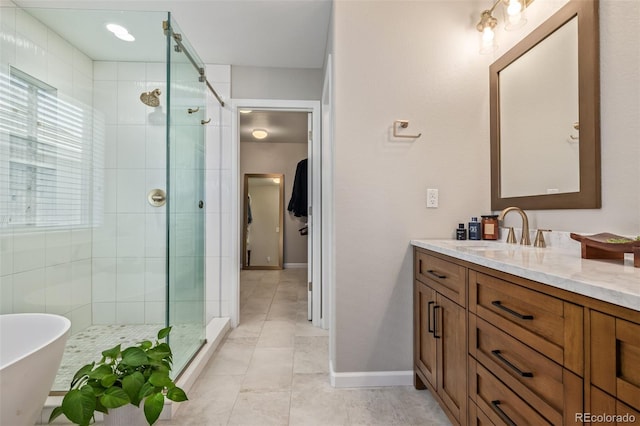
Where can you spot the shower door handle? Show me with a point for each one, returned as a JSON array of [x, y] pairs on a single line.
[[201, 204]]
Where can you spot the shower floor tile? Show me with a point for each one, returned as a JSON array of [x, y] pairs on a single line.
[[87, 345]]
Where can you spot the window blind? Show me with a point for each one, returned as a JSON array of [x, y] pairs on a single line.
[[45, 156]]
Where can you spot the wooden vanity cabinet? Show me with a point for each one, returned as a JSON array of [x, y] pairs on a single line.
[[603, 403], [535, 354], [440, 333], [525, 351], [615, 360]]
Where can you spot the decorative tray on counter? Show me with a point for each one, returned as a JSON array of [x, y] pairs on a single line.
[[608, 246]]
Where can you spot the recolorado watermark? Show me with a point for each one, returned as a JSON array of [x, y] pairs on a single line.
[[605, 418]]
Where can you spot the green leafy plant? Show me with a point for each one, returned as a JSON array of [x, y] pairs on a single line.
[[132, 375], [622, 240]]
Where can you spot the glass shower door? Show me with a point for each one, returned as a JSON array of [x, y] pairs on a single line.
[[185, 198]]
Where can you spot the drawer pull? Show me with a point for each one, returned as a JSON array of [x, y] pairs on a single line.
[[429, 329], [521, 373], [437, 275], [499, 305], [496, 407], [435, 322]]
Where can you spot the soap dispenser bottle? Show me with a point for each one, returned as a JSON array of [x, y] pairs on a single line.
[[475, 229]]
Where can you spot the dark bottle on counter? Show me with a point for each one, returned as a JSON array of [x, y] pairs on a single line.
[[475, 229], [461, 233]]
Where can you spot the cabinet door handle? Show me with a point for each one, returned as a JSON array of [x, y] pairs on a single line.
[[521, 373], [499, 305], [429, 329], [437, 275], [435, 322], [496, 407]]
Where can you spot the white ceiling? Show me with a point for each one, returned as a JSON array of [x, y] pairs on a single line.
[[282, 126], [262, 33]]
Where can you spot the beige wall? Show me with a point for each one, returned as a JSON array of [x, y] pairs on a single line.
[[279, 158], [419, 61], [276, 83]]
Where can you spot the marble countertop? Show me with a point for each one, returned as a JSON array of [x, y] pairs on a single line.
[[608, 280]]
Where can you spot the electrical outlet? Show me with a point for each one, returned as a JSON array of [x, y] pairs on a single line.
[[432, 198]]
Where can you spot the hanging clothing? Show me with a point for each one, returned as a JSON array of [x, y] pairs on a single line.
[[298, 202]]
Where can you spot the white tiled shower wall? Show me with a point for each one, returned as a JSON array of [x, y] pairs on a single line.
[[218, 195], [45, 271], [102, 276], [129, 241]]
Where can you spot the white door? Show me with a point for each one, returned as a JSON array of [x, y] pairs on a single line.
[[314, 244], [310, 219]]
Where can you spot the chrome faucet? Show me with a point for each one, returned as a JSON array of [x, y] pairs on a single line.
[[524, 238]]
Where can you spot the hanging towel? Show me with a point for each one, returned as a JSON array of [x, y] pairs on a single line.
[[298, 202]]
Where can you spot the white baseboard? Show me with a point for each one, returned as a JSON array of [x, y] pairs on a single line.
[[362, 379], [295, 265]]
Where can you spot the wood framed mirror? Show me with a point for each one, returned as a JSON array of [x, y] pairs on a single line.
[[263, 227], [545, 115]]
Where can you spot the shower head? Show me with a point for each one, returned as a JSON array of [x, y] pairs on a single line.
[[151, 98]]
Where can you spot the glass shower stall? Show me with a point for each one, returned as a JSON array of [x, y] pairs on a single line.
[[102, 131]]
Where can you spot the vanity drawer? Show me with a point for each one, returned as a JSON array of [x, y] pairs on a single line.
[[477, 417], [603, 403], [552, 326], [500, 404], [446, 277], [544, 384]]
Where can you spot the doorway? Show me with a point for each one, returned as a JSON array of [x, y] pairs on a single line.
[[313, 261]]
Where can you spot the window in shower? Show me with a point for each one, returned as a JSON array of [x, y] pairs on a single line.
[[47, 143]]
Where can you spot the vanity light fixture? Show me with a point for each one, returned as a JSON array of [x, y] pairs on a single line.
[[121, 32], [513, 16], [259, 133]]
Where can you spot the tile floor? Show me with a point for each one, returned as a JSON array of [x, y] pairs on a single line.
[[273, 370]]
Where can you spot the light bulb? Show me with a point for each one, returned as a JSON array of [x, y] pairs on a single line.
[[487, 41], [259, 133], [514, 8], [515, 15], [487, 35]]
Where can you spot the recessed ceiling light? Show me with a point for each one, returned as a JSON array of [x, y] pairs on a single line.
[[259, 133], [121, 32], [244, 111], [126, 37]]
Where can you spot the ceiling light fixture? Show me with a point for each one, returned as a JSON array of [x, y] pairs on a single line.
[[121, 32], [513, 16], [244, 111], [259, 133]]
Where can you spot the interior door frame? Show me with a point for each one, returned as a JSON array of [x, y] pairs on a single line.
[[316, 200]]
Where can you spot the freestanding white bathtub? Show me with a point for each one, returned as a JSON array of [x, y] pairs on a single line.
[[31, 348]]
